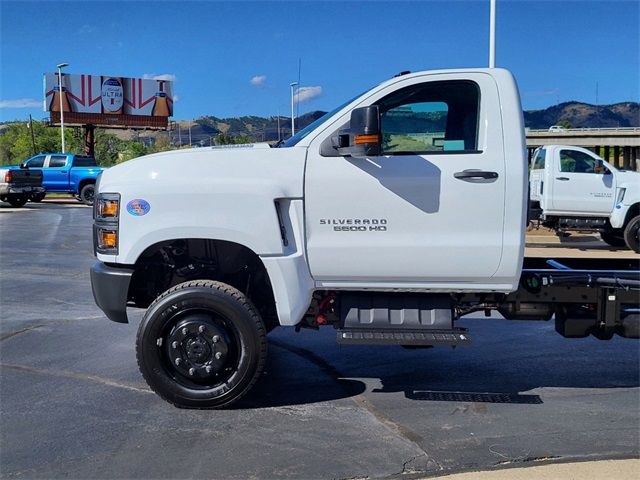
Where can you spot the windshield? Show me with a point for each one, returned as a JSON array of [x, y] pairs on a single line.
[[291, 141]]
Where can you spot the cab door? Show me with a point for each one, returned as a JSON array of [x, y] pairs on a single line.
[[428, 209], [582, 184], [56, 173]]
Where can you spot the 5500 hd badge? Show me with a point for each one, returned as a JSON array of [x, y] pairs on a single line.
[[356, 224]]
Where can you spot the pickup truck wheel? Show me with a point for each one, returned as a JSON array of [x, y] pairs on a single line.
[[613, 239], [17, 201], [87, 193], [38, 197], [201, 344], [632, 233]]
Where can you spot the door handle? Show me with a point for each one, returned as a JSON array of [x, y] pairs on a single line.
[[476, 176], [564, 179]]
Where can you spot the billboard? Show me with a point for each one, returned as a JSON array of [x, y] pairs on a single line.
[[111, 101]]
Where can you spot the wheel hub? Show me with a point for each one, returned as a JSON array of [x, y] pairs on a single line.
[[197, 348]]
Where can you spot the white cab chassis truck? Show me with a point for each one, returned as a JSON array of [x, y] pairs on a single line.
[[387, 219], [573, 189]]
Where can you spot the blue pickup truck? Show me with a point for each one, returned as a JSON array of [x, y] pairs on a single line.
[[66, 173]]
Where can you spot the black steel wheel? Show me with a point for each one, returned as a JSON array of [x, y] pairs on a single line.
[[38, 197], [17, 201], [632, 234], [613, 238], [201, 344], [87, 193]]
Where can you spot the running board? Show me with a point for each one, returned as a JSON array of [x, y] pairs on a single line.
[[362, 336]]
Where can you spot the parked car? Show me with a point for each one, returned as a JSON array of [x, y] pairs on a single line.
[[556, 128], [66, 173]]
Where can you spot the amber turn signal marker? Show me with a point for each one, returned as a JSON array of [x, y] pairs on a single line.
[[360, 139], [109, 208], [108, 238]]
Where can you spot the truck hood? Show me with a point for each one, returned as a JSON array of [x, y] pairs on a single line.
[[211, 169]]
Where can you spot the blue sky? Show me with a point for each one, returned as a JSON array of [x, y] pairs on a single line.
[[237, 58]]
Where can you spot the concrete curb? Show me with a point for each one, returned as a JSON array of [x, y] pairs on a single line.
[[596, 470]]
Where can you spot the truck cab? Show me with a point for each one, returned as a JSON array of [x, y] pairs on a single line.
[[387, 219], [67, 173], [573, 189]]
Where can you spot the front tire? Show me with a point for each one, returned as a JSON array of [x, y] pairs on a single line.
[[613, 239], [87, 193], [632, 234], [201, 344]]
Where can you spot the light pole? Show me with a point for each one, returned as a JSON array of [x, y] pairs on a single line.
[[492, 34], [293, 128], [60, 67]]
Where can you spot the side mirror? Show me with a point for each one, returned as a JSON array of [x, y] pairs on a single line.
[[362, 138], [24, 165]]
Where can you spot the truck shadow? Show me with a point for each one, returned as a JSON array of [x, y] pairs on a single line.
[[508, 369]]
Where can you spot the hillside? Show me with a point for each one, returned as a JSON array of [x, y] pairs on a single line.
[[205, 129], [584, 115], [576, 114]]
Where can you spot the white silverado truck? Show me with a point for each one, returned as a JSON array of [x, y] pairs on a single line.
[[573, 189], [387, 219]]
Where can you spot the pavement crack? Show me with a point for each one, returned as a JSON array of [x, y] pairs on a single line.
[[400, 431], [24, 330], [74, 376]]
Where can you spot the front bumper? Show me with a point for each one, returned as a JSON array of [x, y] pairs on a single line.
[[110, 287]]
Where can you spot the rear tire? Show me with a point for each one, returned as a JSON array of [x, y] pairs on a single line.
[[87, 193], [614, 239], [632, 233], [17, 201], [201, 344]]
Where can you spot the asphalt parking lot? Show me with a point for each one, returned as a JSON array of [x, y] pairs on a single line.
[[74, 405]]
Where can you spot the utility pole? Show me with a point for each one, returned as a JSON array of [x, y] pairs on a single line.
[[293, 127], [33, 138]]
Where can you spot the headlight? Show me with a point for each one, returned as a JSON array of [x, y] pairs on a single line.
[[106, 212]]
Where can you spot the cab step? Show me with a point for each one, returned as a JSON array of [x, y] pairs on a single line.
[[390, 318]]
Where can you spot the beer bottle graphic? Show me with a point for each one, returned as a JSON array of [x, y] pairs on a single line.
[[112, 96], [161, 105], [59, 92]]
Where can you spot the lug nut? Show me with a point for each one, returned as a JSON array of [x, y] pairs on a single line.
[[208, 368], [178, 361], [185, 331], [192, 371], [174, 345], [218, 355], [201, 328], [215, 339], [159, 342]]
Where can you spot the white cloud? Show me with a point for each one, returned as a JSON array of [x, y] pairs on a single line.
[[258, 80], [306, 94], [169, 77], [21, 103]]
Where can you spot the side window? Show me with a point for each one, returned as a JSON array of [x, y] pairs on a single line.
[[57, 161], [431, 117], [573, 161], [539, 159], [36, 162]]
